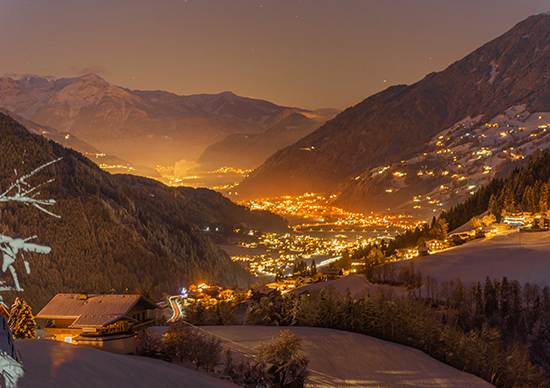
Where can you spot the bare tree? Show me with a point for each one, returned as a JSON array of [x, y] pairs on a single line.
[[23, 192]]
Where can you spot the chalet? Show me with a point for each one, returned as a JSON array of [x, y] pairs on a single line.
[[406, 253], [517, 219], [241, 294], [423, 251], [541, 221], [227, 294], [105, 321], [434, 245], [329, 273], [293, 282], [212, 291], [276, 285], [488, 231], [261, 291]]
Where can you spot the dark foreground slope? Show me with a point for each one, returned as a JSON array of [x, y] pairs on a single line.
[[53, 364], [397, 123], [345, 359], [113, 232]]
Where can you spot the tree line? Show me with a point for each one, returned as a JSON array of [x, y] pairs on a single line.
[[279, 363], [497, 331], [115, 232]]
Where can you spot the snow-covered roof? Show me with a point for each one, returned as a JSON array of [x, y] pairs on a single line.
[[97, 310]]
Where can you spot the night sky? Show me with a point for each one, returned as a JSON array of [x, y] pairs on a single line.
[[309, 53]]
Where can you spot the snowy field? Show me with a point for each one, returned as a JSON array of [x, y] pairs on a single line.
[[342, 359], [356, 284], [524, 257], [50, 363]]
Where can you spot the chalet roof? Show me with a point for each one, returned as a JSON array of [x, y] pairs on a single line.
[[97, 310], [264, 290], [329, 271]]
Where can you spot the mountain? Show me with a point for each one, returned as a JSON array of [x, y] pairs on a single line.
[[115, 232], [363, 154], [143, 127], [249, 151], [111, 162]]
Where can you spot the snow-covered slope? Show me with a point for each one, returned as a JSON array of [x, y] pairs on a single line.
[[524, 257], [463, 157], [356, 284], [56, 364], [370, 156], [343, 359]]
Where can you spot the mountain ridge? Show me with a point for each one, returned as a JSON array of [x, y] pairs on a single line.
[[115, 232], [397, 123], [155, 127]]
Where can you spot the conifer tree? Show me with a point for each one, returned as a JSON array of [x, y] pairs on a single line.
[[21, 320], [490, 298], [494, 207], [313, 268], [508, 204]]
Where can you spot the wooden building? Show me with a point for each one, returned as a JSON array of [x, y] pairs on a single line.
[[329, 273], [105, 321]]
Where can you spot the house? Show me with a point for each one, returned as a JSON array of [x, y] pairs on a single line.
[[105, 321], [276, 285], [517, 219], [241, 294], [293, 282], [434, 245], [261, 291], [227, 294], [423, 251], [488, 231], [329, 273]]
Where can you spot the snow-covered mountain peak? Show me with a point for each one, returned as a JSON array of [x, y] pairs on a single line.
[[35, 82], [89, 89]]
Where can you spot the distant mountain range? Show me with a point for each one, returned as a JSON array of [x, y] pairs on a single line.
[[251, 150], [147, 128], [428, 145], [116, 231]]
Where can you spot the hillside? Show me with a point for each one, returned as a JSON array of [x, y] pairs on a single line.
[[251, 150], [114, 232], [143, 127], [357, 154], [357, 285], [71, 141], [524, 257], [56, 364], [344, 359]]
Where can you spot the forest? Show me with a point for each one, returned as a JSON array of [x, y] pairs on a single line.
[[497, 330], [525, 189], [115, 233]]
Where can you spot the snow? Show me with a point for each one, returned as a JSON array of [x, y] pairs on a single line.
[[494, 73], [22, 191], [12, 370], [357, 285], [472, 152], [56, 364], [344, 359], [524, 257]]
